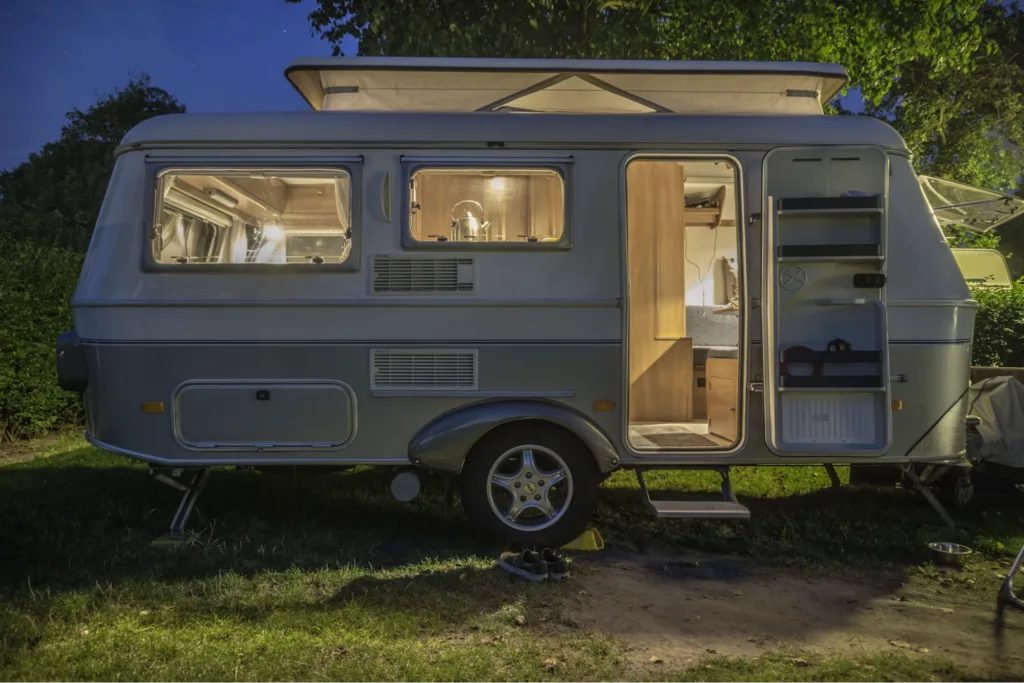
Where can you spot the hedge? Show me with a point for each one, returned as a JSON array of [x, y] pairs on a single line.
[[36, 284], [999, 326]]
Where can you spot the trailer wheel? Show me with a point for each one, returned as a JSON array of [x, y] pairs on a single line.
[[957, 488], [531, 484]]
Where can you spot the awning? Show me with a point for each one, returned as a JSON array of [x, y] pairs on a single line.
[[564, 86], [971, 207]]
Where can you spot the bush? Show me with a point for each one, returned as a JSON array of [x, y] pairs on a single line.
[[999, 326], [36, 284]]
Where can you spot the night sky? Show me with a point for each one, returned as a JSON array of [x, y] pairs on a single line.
[[213, 55]]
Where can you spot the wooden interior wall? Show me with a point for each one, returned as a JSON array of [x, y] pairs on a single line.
[[312, 208], [660, 355], [723, 397], [547, 206]]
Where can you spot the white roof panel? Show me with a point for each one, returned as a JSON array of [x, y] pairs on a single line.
[[564, 85], [332, 130]]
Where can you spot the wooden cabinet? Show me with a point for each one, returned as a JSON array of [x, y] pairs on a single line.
[[660, 354], [723, 397]]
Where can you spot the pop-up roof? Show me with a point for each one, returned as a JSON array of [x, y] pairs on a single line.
[[564, 85]]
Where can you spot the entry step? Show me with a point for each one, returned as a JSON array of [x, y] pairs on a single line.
[[698, 509]]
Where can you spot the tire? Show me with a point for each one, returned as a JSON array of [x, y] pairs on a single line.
[[957, 489], [500, 455]]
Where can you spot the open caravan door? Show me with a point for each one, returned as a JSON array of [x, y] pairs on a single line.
[[824, 333]]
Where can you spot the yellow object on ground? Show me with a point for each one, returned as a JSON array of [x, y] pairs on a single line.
[[588, 540]]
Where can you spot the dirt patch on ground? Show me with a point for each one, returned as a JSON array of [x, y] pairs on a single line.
[[20, 451], [680, 609]]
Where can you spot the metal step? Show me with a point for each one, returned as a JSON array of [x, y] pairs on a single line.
[[728, 508], [697, 509]]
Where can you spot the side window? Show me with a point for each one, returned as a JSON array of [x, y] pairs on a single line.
[[486, 205], [206, 216]]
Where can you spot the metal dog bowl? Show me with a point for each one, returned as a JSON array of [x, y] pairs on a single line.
[[951, 554]]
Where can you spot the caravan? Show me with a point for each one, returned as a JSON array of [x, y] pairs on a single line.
[[525, 274]]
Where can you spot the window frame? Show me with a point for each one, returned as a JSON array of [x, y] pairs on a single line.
[[560, 165], [328, 167]]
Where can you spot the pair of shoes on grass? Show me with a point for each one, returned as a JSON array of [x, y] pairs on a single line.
[[534, 566]]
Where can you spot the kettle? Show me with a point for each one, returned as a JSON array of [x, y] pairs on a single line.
[[469, 228]]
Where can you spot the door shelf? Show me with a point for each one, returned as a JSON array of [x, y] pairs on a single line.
[[830, 212], [830, 205], [800, 356], [831, 259], [841, 390], [839, 382], [829, 251], [849, 301]]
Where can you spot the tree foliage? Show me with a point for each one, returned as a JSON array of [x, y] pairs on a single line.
[[55, 196], [491, 28], [48, 206], [967, 126], [873, 39]]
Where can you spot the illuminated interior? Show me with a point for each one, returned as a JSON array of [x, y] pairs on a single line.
[[684, 304], [242, 217], [487, 205]]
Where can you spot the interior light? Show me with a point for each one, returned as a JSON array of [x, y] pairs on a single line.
[[497, 183], [273, 232]]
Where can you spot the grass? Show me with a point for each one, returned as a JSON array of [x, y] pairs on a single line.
[[317, 578]]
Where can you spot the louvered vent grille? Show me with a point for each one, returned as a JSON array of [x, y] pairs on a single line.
[[427, 370], [422, 275]]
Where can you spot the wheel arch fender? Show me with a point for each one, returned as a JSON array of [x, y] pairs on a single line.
[[444, 443]]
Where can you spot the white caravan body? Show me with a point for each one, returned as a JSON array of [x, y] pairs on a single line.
[[664, 265]]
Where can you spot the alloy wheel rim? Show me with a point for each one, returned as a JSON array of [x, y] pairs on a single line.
[[529, 487]]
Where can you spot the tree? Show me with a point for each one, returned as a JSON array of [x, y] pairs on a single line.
[[873, 39], [967, 126], [55, 196], [491, 28]]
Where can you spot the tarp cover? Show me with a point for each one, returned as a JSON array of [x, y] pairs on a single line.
[[999, 402], [564, 86]]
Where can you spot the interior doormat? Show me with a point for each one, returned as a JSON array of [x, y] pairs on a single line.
[[668, 436]]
